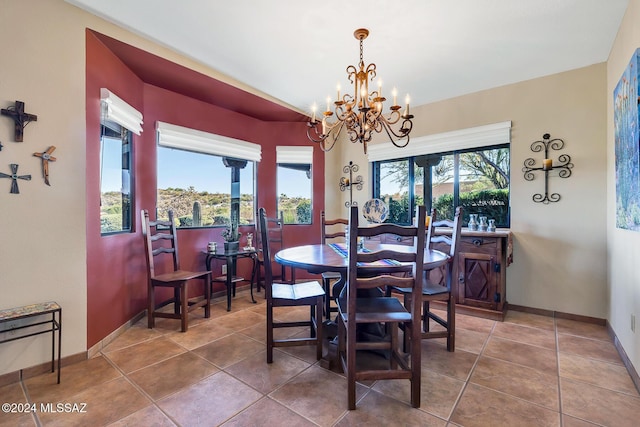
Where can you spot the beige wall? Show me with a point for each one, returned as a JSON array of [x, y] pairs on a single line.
[[42, 229], [623, 245], [559, 248]]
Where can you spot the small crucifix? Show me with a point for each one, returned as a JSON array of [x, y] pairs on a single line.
[[14, 176], [20, 118], [46, 158]]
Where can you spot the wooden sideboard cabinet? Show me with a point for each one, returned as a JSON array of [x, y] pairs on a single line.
[[481, 272]]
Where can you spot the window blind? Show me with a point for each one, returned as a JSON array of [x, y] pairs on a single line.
[[117, 110]]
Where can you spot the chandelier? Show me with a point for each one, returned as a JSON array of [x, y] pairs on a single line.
[[361, 112]]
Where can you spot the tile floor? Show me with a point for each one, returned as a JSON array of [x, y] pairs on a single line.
[[526, 371]]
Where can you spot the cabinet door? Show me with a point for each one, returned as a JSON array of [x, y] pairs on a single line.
[[477, 280]]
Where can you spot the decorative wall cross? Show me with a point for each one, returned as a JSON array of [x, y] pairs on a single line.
[[15, 177], [20, 118], [46, 158]]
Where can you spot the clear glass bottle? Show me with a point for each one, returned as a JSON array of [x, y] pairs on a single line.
[[473, 222]]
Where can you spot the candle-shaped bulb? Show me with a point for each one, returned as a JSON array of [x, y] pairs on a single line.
[[338, 89], [380, 88], [363, 96], [313, 110], [394, 92], [324, 125], [406, 110], [328, 103]]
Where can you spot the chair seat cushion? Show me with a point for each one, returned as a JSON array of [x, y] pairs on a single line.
[[297, 291], [379, 309]]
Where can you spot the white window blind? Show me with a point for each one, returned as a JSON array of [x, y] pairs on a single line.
[[480, 136], [115, 109], [294, 155], [183, 138]]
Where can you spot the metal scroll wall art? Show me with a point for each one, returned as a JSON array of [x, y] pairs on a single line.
[[349, 182], [563, 165]]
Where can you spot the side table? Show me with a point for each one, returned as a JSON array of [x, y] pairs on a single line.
[[231, 279], [35, 310]]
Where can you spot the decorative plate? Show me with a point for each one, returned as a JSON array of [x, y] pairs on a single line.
[[375, 210]]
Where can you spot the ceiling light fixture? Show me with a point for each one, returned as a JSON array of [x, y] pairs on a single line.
[[361, 113]]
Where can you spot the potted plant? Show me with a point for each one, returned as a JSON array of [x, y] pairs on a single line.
[[231, 238]]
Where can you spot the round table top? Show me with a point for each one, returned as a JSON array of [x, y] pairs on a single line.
[[321, 258]]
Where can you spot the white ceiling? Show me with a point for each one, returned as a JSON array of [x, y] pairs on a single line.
[[297, 50]]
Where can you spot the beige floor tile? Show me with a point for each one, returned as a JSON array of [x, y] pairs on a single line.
[[528, 319], [568, 421], [149, 416], [240, 320], [266, 377], [597, 405], [471, 323], [606, 375], [438, 393], [172, 374], [317, 394], [526, 383], [16, 416], [525, 334], [376, 409], [209, 402], [105, 403], [229, 350], [199, 335], [147, 353], [468, 340], [267, 412], [539, 358], [583, 329], [457, 364], [586, 347], [134, 335], [74, 379], [479, 407]]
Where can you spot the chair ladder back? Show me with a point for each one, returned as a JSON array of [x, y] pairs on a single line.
[[266, 250], [154, 239], [329, 230]]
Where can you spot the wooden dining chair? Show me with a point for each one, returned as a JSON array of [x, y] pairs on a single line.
[[160, 242], [364, 303], [275, 234], [331, 229], [308, 294], [438, 284]]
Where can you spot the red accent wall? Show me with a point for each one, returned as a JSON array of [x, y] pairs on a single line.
[[116, 270]]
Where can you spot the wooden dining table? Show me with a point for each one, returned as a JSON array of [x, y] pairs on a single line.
[[324, 258], [321, 258]]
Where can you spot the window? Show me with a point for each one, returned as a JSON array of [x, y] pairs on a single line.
[[476, 179], [116, 178], [294, 183], [205, 179], [118, 122]]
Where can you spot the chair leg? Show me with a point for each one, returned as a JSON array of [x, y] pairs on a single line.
[[451, 324], [351, 367], [207, 297], [327, 297], [269, 332], [176, 300], [151, 305], [184, 307], [319, 332]]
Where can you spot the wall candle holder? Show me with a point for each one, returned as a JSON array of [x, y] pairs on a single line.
[[349, 183], [563, 166]]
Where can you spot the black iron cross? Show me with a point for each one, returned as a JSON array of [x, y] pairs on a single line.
[[20, 118], [14, 176]]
